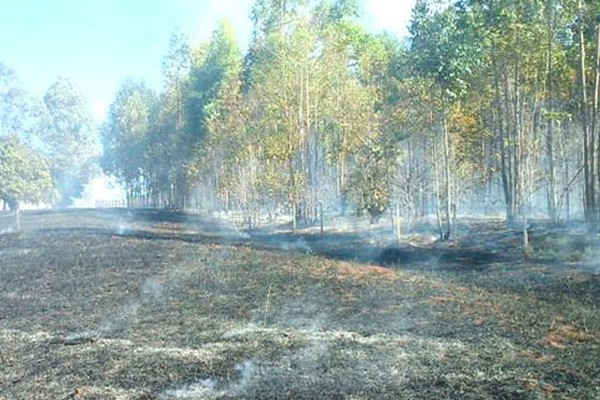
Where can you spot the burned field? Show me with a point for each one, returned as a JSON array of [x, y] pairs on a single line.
[[151, 305]]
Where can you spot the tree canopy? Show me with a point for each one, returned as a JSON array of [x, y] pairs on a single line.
[[24, 173], [488, 106]]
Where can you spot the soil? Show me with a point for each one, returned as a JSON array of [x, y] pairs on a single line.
[[119, 304]]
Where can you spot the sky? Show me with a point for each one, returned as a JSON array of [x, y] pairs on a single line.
[[100, 43]]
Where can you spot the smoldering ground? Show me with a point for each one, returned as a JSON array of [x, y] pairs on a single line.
[[178, 306]]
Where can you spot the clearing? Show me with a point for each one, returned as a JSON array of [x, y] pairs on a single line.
[[154, 305]]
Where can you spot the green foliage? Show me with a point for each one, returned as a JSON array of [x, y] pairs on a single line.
[[319, 107], [20, 114], [126, 131], [369, 190], [209, 77], [443, 48], [24, 173], [70, 140]]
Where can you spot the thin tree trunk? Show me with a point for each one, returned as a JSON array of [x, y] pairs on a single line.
[[505, 154], [438, 211], [447, 174], [550, 158], [595, 163], [589, 206]]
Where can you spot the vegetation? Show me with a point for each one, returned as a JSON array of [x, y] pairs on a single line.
[[49, 148], [178, 307], [24, 174], [489, 107], [69, 140], [486, 103]]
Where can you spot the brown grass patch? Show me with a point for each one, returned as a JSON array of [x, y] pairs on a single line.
[[566, 335]]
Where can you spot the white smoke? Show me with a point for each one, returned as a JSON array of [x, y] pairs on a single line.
[[151, 291], [591, 260], [212, 388], [299, 245], [8, 223], [249, 372], [204, 389]]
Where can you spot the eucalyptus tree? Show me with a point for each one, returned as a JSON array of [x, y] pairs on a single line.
[[556, 24], [171, 151], [477, 103], [21, 114], [442, 54], [525, 83], [24, 173], [24, 170], [518, 68], [70, 141], [282, 79], [126, 139], [587, 37], [379, 125], [13, 100], [216, 125]]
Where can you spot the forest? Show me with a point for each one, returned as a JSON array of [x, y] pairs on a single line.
[[489, 106]]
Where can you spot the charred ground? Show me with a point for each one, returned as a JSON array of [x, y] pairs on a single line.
[[157, 305]]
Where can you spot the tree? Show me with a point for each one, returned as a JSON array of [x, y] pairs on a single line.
[[126, 140], [441, 54], [12, 101], [378, 132], [24, 173], [170, 150], [216, 123], [20, 114], [282, 82], [70, 141], [588, 32], [475, 109]]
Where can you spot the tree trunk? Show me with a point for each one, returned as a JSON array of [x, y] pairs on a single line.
[[438, 211], [588, 151], [447, 174], [593, 135], [550, 158], [505, 153]]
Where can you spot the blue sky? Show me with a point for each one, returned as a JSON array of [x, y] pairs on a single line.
[[99, 43]]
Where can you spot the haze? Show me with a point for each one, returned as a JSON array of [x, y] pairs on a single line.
[[99, 43], [317, 209]]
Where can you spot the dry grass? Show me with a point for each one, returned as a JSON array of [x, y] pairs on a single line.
[[161, 306]]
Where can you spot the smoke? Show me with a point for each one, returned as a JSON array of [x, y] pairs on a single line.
[[122, 318], [591, 260], [211, 388], [124, 224], [204, 389], [122, 229], [152, 290], [299, 245], [249, 372], [8, 223], [240, 332]]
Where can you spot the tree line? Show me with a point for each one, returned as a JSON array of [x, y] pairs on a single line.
[[489, 105], [49, 147]]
